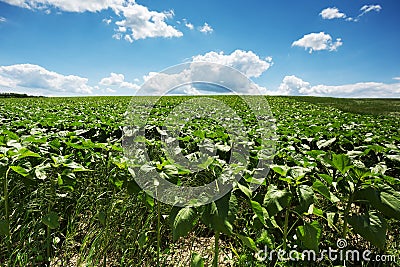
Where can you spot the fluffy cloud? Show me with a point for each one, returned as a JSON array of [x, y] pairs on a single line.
[[138, 22], [198, 78], [67, 5], [317, 42], [332, 13], [292, 85], [118, 80], [29, 76], [2, 19], [245, 61], [206, 28]]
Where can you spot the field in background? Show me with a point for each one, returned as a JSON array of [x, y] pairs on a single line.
[[67, 196]]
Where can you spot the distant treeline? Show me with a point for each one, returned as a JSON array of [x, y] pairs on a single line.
[[10, 95]]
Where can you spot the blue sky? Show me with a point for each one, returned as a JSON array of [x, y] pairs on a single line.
[[74, 47]]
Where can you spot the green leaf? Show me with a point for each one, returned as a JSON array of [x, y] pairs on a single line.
[[341, 162], [306, 198], [133, 188], [197, 260], [220, 214], [310, 234], [102, 218], [245, 190], [4, 228], [51, 220], [325, 143], [371, 226], [142, 239], [183, 223], [24, 152], [326, 177], [11, 135], [20, 170], [383, 198], [276, 199], [282, 170], [248, 242], [259, 210], [324, 190]]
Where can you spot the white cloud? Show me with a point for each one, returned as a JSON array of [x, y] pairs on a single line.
[[332, 13], [109, 90], [245, 61], [206, 28], [138, 22], [107, 21], [118, 80], [396, 78], [292, 85], [317, 42], [3, 19], [189, 25], [29, 76], [67, 5], [368, 8]]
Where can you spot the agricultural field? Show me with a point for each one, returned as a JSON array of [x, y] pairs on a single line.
[[68, 196]]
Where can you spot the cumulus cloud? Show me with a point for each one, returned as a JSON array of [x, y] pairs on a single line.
[[245, 61], [292, 85], [29, 76], [206, 28], [335, 13], [67, 5], [118, 80], [332, 13], [318, 42], [136, 21], [3, 19]]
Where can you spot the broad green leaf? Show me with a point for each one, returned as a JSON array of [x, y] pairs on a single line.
[[245, 190], [324, 190], [383, 198], [341, 162], [24, 152], [196, 260], [183, 223], [51, 220], [282, 170], [259, 210], [248, 242], [326, 177], [20, 170], [306, 198], [371, 226], [219, 215], [276, 199], [133, 188], [4, 228], [310, 234], [325, 143], [11, 135]]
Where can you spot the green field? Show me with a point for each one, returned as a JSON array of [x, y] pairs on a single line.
[[68, 197]]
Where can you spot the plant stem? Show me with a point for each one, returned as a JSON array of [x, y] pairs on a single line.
[[7, 210], [286, 227], [347, 210], [158, 232], [216, 250]]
